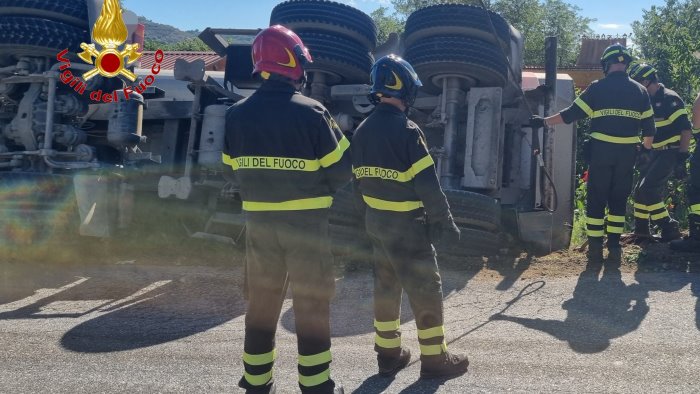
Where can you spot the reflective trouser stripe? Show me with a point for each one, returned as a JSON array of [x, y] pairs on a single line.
[[641, 215], [258, 380], [387, 326], [316, 359], [615, 140], [614, 229], [432, 332], [616, 224], [594, 227], [433, 350], [649, 207], [260, 359], [315, 380], [292, 205], [695, 209], [616, 219], [396, 206], [661, 215], [387, 343]]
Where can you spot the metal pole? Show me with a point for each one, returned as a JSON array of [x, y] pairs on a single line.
[[453, 97], [50, 111], [194, 122], [549, 109]]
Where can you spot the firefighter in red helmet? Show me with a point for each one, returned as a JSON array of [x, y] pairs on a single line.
[[289, 157]]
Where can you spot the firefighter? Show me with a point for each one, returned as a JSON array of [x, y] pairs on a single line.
[[289, 157], [667, 158], [618, 107], [691, 243], [405, 211]]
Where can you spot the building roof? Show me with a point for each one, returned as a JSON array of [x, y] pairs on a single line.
[[212, 61], [592, 49]]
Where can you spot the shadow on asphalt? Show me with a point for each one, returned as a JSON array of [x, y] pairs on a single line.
[[126, 307], [374, 384], [600, 310]]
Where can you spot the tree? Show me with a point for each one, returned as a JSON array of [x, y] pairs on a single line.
[[535, 19], [668, 37]]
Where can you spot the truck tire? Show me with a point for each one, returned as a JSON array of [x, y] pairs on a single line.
[[324, 16], [474, 209], [480, 61], [472, 243], [28, 36], [72, 12], [343, 210], [457, 19], [344, 58]]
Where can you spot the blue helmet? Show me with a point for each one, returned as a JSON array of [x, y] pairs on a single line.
[[394, 77]]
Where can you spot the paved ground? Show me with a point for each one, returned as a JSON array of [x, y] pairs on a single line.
[[138, 328]]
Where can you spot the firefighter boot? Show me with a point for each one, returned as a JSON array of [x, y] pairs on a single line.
[[691, 243], [389, 366], [670, 231], [641, 231], [269, 388], [595, 255], [443, 366], [614, 258]]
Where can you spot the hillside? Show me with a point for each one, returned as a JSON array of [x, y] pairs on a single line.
[[165, 33]]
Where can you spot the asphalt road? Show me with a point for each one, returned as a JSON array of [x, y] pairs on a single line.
[[134, 328]]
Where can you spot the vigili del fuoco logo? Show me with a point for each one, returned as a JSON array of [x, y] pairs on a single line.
[[111, 59]]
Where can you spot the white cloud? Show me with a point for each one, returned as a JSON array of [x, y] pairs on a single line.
[[612, 26]]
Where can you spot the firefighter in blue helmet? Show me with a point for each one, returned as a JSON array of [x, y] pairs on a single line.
[[619, 108], [667, 158], [406, 211]]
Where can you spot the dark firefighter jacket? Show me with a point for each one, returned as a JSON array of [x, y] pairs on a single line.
[[392, 165], [671, 117], [618, 107], [287, 152]]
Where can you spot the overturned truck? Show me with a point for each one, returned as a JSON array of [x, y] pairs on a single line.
[[72, 159]]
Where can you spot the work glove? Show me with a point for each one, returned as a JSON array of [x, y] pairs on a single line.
[[644, 157], [680, 172], [537, 122], [444, 230]]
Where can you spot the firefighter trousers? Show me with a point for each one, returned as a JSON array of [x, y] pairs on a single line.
[[404, 259], [289, 249], [650, 192], [694, 185], [610, 180]]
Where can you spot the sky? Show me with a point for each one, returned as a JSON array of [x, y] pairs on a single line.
[[612, 17]]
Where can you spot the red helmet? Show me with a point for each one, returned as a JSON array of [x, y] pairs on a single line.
[[278, 50]]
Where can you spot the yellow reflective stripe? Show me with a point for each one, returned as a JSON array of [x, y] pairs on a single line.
[[387, 325], [648, 73], [585, 107], [695, 208], [696, 131], [641, 206], [615, 229], [433, 350], [661, 215], [654, 207], [272, 163], [394, 175], [387, 343], [661, 144], [615, 140], [647, 114], [672, 118], [383, 205], [316, 359], [315, 380], [616, 219], [337, 154], [641, 215], [431, 332], [595, 222], [623, 113], [258, 380], [228, 160], [615, 52], [595, 233], [293, 205], [260, 359]]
